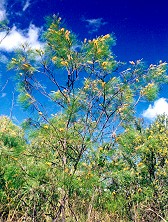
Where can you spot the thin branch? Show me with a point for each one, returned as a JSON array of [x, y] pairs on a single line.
[[12, 105], [4, 86]]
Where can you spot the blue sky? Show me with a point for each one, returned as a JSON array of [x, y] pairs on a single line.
[[140, 29]]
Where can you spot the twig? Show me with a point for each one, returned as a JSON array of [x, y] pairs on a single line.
[[149, 209]]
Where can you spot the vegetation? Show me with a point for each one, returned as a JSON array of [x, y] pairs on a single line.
[[88, 156]]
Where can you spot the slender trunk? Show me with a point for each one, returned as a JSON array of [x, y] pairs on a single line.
[[63, 202], [90, 208]]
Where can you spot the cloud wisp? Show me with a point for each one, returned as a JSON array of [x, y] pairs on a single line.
[[2, 10], [16, 38], [159, 107], [3, 59], [94, 24], [26, 5], [3, 95]]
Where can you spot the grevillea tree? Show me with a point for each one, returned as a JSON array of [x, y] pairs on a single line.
[[85, 154]]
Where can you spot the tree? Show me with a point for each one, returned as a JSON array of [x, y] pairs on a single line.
[[77, 154], [144, 155], [12, 177]]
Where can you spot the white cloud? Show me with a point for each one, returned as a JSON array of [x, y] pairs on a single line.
[[160, 107], [17, 37], [94, 24], [2, 10], [26, 5]]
